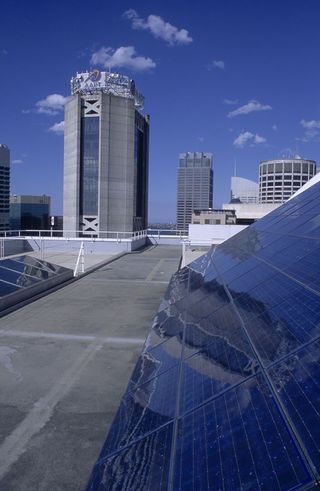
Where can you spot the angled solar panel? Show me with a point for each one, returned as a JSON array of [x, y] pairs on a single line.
[[22, 277], [226, 393]]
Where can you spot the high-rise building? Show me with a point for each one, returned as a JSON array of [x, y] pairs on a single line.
[[105, 155], [29, 212], [245, 190], [195, 186], [4, 186], [280, 179]]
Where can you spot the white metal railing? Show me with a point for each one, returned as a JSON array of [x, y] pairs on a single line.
[[74, 234], [101, 235], [80, 259]]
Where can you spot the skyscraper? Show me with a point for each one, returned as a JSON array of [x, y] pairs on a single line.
[[105, 156], [29, 212], [4, 187], [195, 186], [280, 179]]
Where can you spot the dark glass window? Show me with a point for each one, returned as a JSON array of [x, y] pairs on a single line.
[[297, 167], [278, 167], [270, 168], [89, 166], [287, 167]]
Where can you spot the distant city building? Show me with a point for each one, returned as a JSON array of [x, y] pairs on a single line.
[[280, 179], [245, 190], [105, 155], [214, 217], [4, 187], [195, 186], [247, 213], [30, 212]]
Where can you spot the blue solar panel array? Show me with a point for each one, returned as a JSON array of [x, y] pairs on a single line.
[[226, 393], [23, 276]]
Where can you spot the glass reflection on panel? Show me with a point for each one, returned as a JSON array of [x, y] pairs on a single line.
[[297, 381], [144, 465], [144, 409], [152, 362], [237, 441]]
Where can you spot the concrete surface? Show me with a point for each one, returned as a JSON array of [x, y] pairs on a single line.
[[65, 361]]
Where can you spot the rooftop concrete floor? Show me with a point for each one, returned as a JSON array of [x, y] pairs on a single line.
[[65, 361]]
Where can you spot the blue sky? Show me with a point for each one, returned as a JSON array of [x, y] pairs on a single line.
[[238, 78]]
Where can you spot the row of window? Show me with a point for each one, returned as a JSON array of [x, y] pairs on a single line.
[[284, 177], [279, 167], [285, 186]]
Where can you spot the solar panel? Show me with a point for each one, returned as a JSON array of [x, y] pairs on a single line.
[[226, 393], [24, 276]]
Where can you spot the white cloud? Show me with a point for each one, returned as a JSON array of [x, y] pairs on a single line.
[[231, 102], [159, 28], [250, 107], [125, 56], [218, 64], [201, 139], [248, 137], [311, 130], [57, 128], [52, 104], [259, 139], [274, 127], [17, 161], [310, 125]]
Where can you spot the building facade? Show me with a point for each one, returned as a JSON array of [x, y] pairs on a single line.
[[106, 147], [214, 217], [4, 187], [280, 179], [195, 186], [30, 212], [245, 190]]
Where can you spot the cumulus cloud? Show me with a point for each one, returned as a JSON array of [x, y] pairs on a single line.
[[274, 127], [57, 128], [312, 128], [52, 104], [250, 107], [247, 137], [125, 56], [310, 125], [159, 28], [17, 161]]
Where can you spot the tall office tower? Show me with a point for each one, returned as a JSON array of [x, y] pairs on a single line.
[[29, 212], [105, 156], [245, 190], [280, 179], [195, 186], [4, 187]]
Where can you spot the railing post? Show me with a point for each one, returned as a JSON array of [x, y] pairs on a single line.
[[82, 257], [42, 249]]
